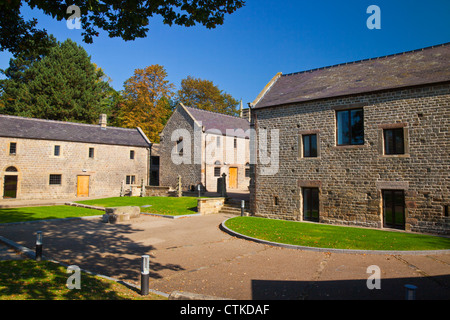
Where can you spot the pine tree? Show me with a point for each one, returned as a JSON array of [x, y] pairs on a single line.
[[62, 85]]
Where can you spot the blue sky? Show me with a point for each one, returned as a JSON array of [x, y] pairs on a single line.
[[263, 38]]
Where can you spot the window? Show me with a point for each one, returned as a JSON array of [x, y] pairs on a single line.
[[55, 179], [247, 170], [131, 154], [394, 208], [394, 141], [216, 171], [350, 127], [154, 161], [57, 151], [11, 169], [309, 142], [446, 211], [91, 152], [12, 148], [276, 201], [218, 141], [235, 143], [130, 179], [310, 204], [180, 146]]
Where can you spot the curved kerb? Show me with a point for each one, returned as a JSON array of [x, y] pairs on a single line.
[[291, 246]]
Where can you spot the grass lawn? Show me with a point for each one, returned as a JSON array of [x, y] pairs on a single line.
[[159, 205], [31, 280], [40, 213], [336, 237]]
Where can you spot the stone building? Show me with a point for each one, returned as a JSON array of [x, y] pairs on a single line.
[[43, 159], [365, 143], [200, 146]]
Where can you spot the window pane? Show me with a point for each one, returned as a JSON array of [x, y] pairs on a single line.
[[306, 146], [388, 142], [357, 126], [393, 141], [313, 139], [399, 147], [343, 127], [56, 151], [55, 179], [12, 148]]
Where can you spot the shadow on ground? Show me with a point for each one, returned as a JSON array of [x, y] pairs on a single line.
[[90, 244], [390, 289]]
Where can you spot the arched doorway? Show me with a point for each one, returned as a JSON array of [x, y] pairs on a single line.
[[10, 183]]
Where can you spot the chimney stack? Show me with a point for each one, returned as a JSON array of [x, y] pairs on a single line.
[[103, 121]]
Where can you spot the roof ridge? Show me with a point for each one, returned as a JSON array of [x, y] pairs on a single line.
[[218, 113], [368, 59], [60, 121]]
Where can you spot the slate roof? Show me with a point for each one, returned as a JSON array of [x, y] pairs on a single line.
[[219, 121], [418, 67], [30, 128]]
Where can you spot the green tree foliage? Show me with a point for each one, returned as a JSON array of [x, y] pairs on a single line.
[[62, 85], [126, 19], [203, 94]]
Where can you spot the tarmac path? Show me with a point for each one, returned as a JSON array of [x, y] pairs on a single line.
[[194, 255]]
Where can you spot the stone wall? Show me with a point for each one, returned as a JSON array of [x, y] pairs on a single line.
[[209, 205], [350, 178], [35, 161], [169, 171], [155, 191]]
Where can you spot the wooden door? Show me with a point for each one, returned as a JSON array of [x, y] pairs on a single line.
[[10, 187], [232, 181], [83, 186]]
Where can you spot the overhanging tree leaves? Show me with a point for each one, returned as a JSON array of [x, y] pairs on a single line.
[[119, 18]]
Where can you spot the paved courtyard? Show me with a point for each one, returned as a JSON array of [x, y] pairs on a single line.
[[194, 255]]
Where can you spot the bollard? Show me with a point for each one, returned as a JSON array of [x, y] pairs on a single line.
[[38, 255], [242, 207], [145, 274], [410, 292]]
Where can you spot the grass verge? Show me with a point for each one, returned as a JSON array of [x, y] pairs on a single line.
[[42, 213], [335, 237], [45, 280], [158, 205]]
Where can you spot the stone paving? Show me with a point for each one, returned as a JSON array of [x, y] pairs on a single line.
[[194, 255]]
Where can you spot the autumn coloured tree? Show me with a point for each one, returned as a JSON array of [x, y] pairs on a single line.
[[203, 94], [146, 101]]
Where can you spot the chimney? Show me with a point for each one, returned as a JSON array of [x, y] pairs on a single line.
[[241, 109], [103, 121]]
